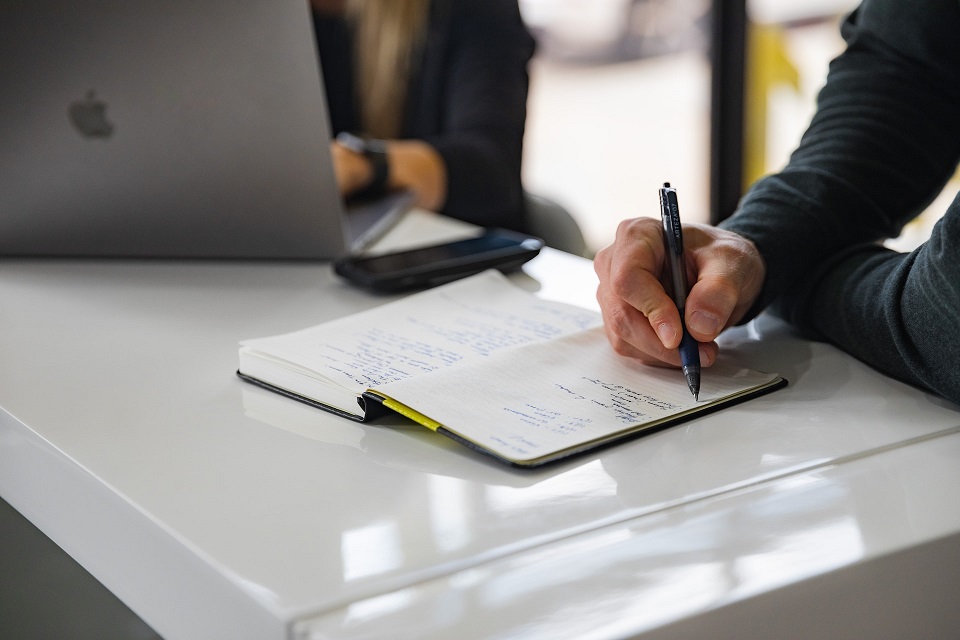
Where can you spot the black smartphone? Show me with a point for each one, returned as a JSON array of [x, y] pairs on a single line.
[[436, 264]]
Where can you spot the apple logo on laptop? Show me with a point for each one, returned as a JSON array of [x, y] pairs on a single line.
[[89, 117]]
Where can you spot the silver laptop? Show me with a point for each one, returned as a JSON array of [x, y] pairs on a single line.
[[165, 128]]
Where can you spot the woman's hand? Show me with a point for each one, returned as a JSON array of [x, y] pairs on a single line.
[[413, 165], [352, 170]]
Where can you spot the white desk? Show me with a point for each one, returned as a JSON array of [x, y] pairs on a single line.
[[217, 510]]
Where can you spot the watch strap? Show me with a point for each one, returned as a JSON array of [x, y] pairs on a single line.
[[376, 152]]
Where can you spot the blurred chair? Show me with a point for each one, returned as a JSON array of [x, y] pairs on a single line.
[[554, 225]]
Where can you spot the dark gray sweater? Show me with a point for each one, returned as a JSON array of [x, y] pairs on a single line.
[[884, 141]]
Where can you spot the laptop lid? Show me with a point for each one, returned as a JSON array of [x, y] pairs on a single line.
[[168, 129]]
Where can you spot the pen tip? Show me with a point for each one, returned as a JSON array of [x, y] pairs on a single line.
[[692, 375]]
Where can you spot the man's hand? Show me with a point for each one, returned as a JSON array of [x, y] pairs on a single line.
[[642, 321]]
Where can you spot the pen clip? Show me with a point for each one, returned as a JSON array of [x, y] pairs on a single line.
[[670, 215]]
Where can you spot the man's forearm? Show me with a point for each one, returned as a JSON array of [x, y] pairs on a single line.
[[896, 312]]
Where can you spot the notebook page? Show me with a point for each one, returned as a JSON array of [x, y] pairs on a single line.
[[464, 320], [548, 397]]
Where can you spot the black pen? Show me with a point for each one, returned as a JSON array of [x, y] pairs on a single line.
[[673, 239]]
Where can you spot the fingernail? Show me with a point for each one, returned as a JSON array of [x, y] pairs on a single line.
[[667, 334], [704, 323]]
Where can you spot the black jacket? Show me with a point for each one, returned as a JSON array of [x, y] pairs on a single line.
[[467, 99]]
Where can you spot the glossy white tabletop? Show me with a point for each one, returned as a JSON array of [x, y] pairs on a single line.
[[217, 509]]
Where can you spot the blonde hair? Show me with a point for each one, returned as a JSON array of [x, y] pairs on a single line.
[[388, 33]]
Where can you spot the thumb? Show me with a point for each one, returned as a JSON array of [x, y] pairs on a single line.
[[709, 306]]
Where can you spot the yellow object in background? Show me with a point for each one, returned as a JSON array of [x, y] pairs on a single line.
[[768, 65]]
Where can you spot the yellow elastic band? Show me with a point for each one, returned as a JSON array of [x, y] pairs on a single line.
[[416, 416]]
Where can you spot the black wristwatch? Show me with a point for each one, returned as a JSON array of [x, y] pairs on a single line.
[[376, 152]]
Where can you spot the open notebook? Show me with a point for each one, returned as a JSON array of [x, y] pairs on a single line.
[[526, 380]]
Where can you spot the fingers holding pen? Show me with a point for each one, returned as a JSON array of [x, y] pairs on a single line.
[[633, 334], [641, 320]]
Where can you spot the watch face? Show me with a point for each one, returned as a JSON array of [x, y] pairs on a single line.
[[351, 142], [365, 146]]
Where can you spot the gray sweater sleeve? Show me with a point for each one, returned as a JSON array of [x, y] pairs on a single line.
[[884, 140]]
